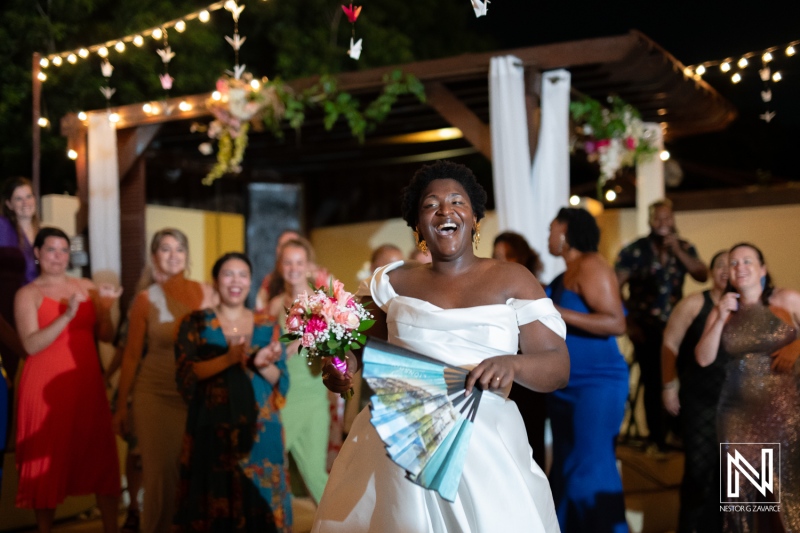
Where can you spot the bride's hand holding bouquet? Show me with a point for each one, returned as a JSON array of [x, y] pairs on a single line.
[[329, 322]]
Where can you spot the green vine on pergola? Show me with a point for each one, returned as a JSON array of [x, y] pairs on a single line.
[[275, 102]]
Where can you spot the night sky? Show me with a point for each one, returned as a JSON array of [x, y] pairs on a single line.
[[750, 150]]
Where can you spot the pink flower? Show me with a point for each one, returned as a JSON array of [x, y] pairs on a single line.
[[222, 86], [322, 279], [347, 319], [602, 143], [316, 324], [341, 295], [329, 309], [293, 322], [589, 147], [308, 340], [630, 143]]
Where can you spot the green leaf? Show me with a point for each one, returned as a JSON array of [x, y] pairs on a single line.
[[365, 325], [288, 337], [334, 345]]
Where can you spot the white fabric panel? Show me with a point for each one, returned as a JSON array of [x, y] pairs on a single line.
[[511, 160], [550, 174], [104, 223], [649, 179]]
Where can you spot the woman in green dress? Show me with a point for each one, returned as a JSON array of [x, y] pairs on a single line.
[[232, 373], [306, 417]]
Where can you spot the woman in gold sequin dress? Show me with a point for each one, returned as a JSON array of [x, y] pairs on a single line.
[[756, 327]]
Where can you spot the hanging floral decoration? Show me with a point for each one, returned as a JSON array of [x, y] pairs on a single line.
[[613, 136], [352, 12]]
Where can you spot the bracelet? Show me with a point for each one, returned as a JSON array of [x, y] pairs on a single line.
[[671, 385]]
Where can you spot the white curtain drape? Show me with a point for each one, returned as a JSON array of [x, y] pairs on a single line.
[[104, 223], [511, 160], [649, 179], [527, 199], [550, 174]]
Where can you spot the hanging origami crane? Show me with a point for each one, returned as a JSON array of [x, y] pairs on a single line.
[[480, 7], [107, 68], [352, 12], [166, 81]]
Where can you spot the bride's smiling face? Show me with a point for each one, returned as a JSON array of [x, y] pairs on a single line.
[[446, 219]]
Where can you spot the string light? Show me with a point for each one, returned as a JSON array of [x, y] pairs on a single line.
[[725, 67], [255, 84], [41, 76], [137, 39], [81, 115], [777, 76], [147, 108], [701, 69], [216, 96], [113, 118], [185, 106], [736, 78], [611, 195], [767, 57], [574, 200], [43, 122], [790, 50], [72, 59], [664, 155], [742, 63], [72, 154]]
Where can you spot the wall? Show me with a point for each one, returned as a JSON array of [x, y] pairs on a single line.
[[344, 249]]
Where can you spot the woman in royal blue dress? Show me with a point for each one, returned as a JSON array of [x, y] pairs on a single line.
[[587, 414], [233, 470]]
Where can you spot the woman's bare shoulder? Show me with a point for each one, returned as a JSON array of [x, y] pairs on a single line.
[[511, 279]]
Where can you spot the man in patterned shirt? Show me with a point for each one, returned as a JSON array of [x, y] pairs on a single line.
[[654, 268]]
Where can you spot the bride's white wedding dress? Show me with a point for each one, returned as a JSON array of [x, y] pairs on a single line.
[[502, 489]]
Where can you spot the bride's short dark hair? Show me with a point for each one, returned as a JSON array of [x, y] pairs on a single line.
[[438, 171]]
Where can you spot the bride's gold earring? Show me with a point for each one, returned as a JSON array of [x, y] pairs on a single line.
[[476, 237], [421, 244]]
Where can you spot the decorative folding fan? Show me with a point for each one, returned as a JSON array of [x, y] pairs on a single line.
[[421, 413]]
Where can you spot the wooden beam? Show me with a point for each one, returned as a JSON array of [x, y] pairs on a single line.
[[131, 144], [76, 140], [132, 229], [459, 115]]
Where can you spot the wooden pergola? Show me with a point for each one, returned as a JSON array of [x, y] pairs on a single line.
[[631, 66]]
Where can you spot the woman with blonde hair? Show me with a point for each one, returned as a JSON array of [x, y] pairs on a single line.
[[159, 412]]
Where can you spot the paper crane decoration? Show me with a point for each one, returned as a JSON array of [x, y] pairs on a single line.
[[480, 7], [352, 12]]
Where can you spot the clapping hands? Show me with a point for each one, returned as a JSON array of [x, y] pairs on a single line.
[[108, 294], [268, 355]]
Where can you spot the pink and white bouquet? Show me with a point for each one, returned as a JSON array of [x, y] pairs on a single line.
[[328, 322]]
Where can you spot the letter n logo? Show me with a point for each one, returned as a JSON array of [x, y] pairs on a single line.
[[759, 473]]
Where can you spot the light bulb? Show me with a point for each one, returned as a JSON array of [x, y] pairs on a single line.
[[72, 154], [574, 200], [790, 50], [57, 61], [120, 46], [138, 40], [43, 122], [664, 155], [72, 58], [777, 76], [736, 78], [81, 115], [216, 96], [767, 57], [83, 52], [147, 108], [157, 33], [185, 106], [725, 67], [255, 84], [102, 51], [44, 62], [180, 26], [611, 195], [41, 76], [700, 70], [113, 117], [204, 16], [742, 62]]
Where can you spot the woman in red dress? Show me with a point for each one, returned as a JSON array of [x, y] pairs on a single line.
[[65, 443]]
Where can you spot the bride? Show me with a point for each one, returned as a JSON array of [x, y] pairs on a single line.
[[467, 311]]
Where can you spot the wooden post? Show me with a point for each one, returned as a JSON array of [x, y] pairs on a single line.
[[36, 85]]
